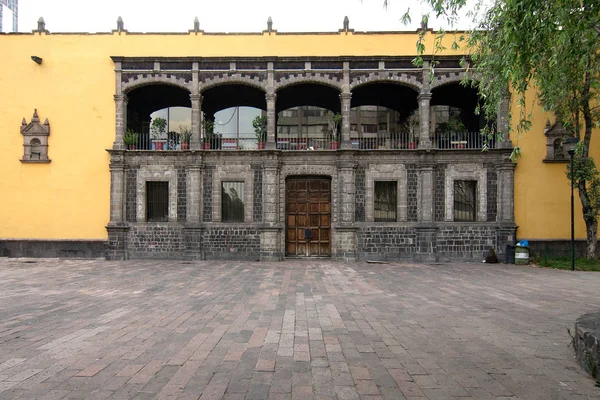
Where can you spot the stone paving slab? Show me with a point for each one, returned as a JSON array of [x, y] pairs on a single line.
[[302, 329]]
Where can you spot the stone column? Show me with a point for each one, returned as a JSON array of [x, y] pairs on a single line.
[[502, 122], [120, 121], [193, 195], [270, 236], [117, 189], [196, 142], [117, 228], [346, 102], [426, 232], [425, 193], [271, 98], [424, 100], [346, 98], [506, 190], [345, 229], [506, 230], [271, 121]]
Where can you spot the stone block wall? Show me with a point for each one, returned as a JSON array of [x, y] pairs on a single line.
[[384, 242], [439, 200], [257, 196], [411, 197], [181, 194], [208, 193], [156, 240], [359, 182], [465, 242], [231, 242], [492, 193], [131, 193]]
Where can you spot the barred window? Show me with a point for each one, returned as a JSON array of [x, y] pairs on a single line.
[[157, 201], [232, 201], [386, 203], [465, 200]]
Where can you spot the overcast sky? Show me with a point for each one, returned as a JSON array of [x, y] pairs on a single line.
[[215, 15]]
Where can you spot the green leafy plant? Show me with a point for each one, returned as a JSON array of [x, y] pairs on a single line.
[[130, 138], [333, 123], [209, 130], [158, 127], [185, 134], [259, 123]]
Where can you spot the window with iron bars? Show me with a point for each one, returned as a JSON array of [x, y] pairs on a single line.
[[465, 201], [386, 201], [232, 201], [157, 201]]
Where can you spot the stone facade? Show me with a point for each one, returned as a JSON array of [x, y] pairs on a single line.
[[425, 227], [418, 234]]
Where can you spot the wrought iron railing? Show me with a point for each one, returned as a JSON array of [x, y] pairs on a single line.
[[359, 141], [466, 140]]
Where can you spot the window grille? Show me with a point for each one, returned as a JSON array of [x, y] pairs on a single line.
[[157, 201], [465, 200], [386, 203], [232, 201]]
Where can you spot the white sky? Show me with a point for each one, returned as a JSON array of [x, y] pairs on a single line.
[[217, 15]]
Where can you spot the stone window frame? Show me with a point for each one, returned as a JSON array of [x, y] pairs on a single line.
[[466, 172], [156, 173], [233, 173], [396, 173]]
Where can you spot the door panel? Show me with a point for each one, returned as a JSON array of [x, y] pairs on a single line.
[[308, 206]]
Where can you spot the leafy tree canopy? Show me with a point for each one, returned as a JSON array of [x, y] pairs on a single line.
[[552, 47]]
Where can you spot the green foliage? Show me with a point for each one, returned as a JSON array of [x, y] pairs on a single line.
[[259, 123], [586, 173], [552, 47], [158, 127], [209, 130], [130, 137], [581, 264], [185, 133], [453, 128], [333, 121]]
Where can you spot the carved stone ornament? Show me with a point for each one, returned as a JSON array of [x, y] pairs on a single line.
[[35, 140], [555, 135]]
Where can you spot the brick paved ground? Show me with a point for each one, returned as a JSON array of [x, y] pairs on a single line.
[[290, 330]]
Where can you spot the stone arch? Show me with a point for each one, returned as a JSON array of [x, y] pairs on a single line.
[[153, 79], [387, 77], [309, 77], [231, 79], [450, 77]]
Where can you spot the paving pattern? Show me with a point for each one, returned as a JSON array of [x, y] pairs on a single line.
[[319, 329]]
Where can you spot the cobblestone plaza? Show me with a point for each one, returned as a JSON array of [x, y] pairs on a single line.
[[318, 329]]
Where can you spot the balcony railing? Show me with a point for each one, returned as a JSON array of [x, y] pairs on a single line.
[[468, 140], [363, 141]]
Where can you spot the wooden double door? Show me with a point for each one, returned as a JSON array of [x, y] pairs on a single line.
[[308, 217]]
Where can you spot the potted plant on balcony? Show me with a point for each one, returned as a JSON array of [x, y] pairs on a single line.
[[411, 130], [185, 135], [333, 122], [130, 139], [452, 134], [260, 130], [209, 133], [158, 129]]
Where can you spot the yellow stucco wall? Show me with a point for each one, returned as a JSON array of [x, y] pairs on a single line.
[[542, 190], [74, 87]]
